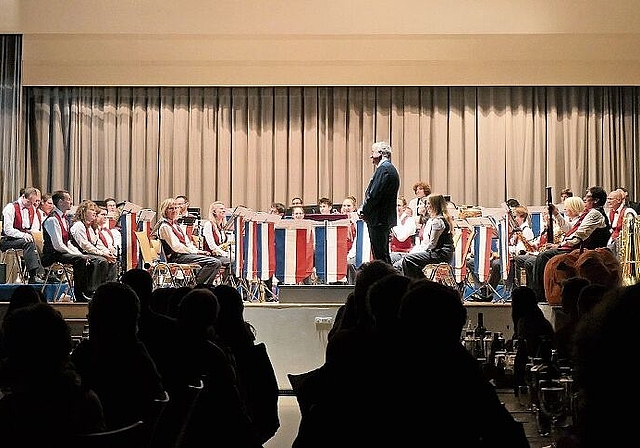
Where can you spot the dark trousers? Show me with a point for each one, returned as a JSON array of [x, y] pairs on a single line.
[[29, 252], [80, 270], [209, 266], [379, 238]]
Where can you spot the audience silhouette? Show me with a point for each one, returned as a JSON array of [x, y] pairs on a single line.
[[220, 417], [113, 361], [354, 311], [22, 296], [606, 339], [158, 332], [447, 381], [532, 331], [257, 377], [565, 329], [44, 403]]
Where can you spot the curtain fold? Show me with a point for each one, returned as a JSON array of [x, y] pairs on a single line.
[[254, 145], [12, 161]]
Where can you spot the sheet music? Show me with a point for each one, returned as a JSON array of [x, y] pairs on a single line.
[[130, 207], [460, 223], [483, 221], [146, 214]]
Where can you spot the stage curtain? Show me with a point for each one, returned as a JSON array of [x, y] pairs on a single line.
[[254, 145], [12, 160]]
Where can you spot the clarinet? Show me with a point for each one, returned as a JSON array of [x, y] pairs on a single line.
[[550, 207]]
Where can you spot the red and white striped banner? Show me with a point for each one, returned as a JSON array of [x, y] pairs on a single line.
[[482, 252], [294, 250]]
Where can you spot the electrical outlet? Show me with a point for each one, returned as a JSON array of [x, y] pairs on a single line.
[[323, 323]]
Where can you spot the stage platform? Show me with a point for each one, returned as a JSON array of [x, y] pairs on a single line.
[[295, 329]]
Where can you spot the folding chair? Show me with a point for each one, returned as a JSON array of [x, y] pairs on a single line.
[[164, 274], [454, 273], [60, 274]]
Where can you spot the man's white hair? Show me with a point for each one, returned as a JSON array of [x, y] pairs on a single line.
[[383, 148]]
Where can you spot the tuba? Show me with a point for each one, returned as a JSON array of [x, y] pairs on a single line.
[[629, 249]]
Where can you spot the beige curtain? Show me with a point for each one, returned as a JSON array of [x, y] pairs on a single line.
[[251, 146], [12, 163]]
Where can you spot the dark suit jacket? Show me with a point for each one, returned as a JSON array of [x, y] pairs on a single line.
[[379, 205]]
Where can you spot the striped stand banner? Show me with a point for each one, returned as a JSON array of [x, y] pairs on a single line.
[[363, 244], [294, 251], [331, 251], [130, 252]]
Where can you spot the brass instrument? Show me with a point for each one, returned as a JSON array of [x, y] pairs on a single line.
[[629, 249], [528, 245], [469, 211], [225, 246]]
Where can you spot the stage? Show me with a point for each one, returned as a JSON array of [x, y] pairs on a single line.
[[295, 329]]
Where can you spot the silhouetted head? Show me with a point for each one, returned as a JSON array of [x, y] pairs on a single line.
[[590, 296], [523, 303], [113, 313], [198, 313], [37, 341], [22, 296], [366, 275], [427, 298], [141, 282], [571, 288], [384, 297]]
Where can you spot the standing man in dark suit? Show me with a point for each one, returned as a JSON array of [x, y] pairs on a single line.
[[379, 206]]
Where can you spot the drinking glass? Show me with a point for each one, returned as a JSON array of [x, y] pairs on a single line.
[[552, 398]]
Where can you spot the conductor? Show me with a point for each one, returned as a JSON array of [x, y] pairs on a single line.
[[378, 208]]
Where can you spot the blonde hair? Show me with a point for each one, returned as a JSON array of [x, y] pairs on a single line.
[[575, 204], [165, 205], [212, 207]]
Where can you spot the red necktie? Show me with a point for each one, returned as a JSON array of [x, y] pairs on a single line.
[[612, 215]]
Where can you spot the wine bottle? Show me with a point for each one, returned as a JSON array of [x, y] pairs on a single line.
[[479, 331], [478, 336]]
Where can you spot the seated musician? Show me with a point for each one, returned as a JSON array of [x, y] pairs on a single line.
[[437, 245], [216, 240], [18, 220], [521, 242], [325, 206], [57, 247], [590, 230], [349, 207], [179, 248], [403, 233], [111, 238], [84, 234]]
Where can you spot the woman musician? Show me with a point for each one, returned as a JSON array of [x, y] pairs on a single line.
[[521, 244], [216, 239]]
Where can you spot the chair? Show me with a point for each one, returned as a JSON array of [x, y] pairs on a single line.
[[60, 274], [164, 274], [16, 270], [156, 411], [130, 436], [453, 273], [174, 422], [12, 258]]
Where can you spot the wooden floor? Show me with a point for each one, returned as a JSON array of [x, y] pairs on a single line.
[[290, 419]]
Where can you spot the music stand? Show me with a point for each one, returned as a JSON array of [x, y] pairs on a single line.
[[146, 214], [489, 223], [130, 207]]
